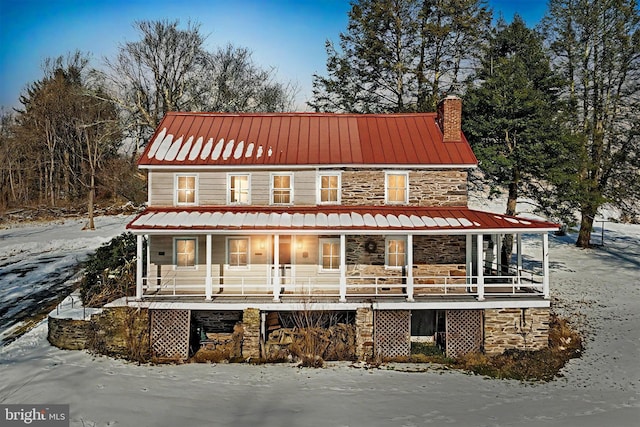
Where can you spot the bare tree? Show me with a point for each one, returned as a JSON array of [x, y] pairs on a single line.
[[157, 73], [168, 69], [235, 83]]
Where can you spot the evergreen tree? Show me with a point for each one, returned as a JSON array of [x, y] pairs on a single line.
[[596, 47], [509, 116], [400, 55]]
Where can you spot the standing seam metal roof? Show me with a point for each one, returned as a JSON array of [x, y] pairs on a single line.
[[224, 139], [405, 218]]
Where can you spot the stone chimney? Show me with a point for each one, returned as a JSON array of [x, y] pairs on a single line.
[[450, 118]]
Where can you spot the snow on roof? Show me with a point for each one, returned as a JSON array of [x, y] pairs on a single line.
[[332, 218], [224, 139]]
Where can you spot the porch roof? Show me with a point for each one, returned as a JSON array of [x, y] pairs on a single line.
[[332, 219]]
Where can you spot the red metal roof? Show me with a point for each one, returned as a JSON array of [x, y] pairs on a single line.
[[224, 139], [338, 218]]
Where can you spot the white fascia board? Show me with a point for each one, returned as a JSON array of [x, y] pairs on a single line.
[[195, 168], [333, 231], [336, 306]]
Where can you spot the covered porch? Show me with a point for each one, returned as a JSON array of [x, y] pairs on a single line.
[[340, 255]]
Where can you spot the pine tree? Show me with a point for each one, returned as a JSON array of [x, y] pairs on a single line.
[[400, 55], [509, 116], [596, 46]]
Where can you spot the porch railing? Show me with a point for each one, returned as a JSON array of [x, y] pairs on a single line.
[[522, 283]]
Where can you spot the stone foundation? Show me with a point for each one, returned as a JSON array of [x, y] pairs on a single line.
[[364, 333], [509, 328], [251, 333]]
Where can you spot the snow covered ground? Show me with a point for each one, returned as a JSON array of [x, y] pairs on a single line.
[[38, 260], [598, 289]]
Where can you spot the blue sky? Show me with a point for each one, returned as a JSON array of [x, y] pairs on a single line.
[[288, 35]]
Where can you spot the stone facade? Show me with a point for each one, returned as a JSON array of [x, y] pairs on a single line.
[[438, 188], [364, 333], [507, 328], [251, 333], [366, 187]]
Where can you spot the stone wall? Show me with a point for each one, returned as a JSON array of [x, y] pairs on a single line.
[[118, 331], [439, 249], [438, 188], [364, 333], [509, 328], [426, 188], [426, 250], [251, 333], [68, 334]]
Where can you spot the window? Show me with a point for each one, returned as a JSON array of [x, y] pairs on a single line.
[[185, 252], [330, 254], [397, 189], [238, 252], [281, 189], [329, 188], [186, 189], [239, 190], [396, 253]]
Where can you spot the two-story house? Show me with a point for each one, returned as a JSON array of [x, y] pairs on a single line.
[[343, 212]]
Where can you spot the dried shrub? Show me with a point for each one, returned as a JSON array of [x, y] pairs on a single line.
[[211, 356], [109, 273], [526, 365]]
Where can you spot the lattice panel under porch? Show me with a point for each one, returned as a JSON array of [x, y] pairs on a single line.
[[392, 332], [464, 332], [170, 333]]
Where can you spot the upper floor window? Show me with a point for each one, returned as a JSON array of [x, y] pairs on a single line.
[[238, 186], [186, 189], [330, 254], [282, 189], [329, 188], [397, 187], [185, 250], [238, 252], [396, 252]]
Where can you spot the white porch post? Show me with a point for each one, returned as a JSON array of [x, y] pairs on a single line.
[[519, 255], [139, 243], [410, 267], [208, 281], [276, 267], [545, 265], [343, 268], [498, 254], [469, 257], [480, 268]]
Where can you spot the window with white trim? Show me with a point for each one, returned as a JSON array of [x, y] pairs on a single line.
[[186, 189], [329, 188], [329, 254], [396, 252], [397, 187], [238, 251], [185, 252], [238, 186], [282, 189]]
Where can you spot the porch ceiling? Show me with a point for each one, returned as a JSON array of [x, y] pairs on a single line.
[[332, 219]]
